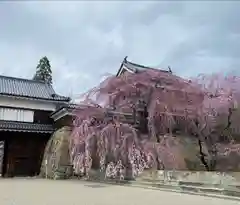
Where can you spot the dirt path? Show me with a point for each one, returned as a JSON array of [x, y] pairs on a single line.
[[47, 192]]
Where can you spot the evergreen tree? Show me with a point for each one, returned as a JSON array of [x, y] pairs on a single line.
[[43, 71]]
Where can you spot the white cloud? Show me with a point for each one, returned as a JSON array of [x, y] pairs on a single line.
[[85, 40]]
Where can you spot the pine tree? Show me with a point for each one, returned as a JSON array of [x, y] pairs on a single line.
[[43, 71]]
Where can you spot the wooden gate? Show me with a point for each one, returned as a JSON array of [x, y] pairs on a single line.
[[24, 155]]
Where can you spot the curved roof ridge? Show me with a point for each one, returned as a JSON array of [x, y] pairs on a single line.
[[134, 67], [138, 65]]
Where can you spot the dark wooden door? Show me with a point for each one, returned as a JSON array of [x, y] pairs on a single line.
[[24, 156]]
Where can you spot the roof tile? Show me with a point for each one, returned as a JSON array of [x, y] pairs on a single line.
[[25, 127], [28, 88], [137, 67]]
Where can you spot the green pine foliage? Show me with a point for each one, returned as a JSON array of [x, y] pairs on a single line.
[[43, 71]]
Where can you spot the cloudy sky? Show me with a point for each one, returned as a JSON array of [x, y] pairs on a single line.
[[84, 41]]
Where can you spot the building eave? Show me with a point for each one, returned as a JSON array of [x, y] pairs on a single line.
[[122, 68], [60, 114], [34, 99], [14, 126], [66, 108], [31, 131]]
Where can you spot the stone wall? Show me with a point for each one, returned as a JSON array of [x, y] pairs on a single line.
[[56, 160], [198, 177], [189, 149]]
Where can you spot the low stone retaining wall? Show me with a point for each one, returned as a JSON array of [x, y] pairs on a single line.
[[201, 177], [212, 184], [217, 183]]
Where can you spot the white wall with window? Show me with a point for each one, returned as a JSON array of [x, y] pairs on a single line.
[[20, 115], [27, 104]]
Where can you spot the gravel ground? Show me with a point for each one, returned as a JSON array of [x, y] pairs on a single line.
[[20, 191]]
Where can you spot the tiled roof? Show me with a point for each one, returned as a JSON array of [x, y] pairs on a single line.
[[19, 87], [25, 127], [136, 67], [68, 106]]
